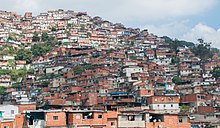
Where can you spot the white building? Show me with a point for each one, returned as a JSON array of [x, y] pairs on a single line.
[[8, 111]]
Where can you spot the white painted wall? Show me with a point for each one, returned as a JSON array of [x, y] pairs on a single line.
[[172, 106], [9, 111]]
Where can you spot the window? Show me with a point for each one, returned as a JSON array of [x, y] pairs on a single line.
[[55, 117], [112, 123], [6, 127], [171, 105], [77, 116], [202, 97], [100, 116], [88, 115], [12, 112], [131, 118], [180, 120]]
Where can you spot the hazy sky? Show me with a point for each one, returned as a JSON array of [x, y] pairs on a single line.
[[183, 19]]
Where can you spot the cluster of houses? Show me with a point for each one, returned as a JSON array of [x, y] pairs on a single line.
[[104, 75]]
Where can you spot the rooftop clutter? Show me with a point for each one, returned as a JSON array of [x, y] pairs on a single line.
[[65, 68]]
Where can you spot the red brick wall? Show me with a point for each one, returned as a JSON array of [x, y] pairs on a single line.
[[80, 121], [205, 109], [19, 120], [23, 107], [10, 124], [55, 123], [144, 92], [189, 98], [170, 121], [163, 99]]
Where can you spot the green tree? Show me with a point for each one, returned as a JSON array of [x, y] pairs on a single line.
[[24, 54], [11, 63], [82, 27], [8, 50], [12, 36], [89, 34], [44, 36], [69, 25], [16, 85], [4, 71], [41, 49], [175, 60], [22, 35], [52, 41], [53, 29], [176, 80], [174, 44], [78, 69], [216, 72], [35, 37], [17, 73], [31, 70], [2, 90], [133, 57], [109, 51], [184, 109], [203, 50]]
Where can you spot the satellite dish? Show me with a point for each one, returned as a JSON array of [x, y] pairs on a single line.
[[28, 116], [90, 114]]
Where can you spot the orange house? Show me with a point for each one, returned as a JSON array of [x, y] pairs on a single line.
[[25, 107], [45, 118], [169, 121], [19, 121], [7, 124], [55, 119], [92, 118]]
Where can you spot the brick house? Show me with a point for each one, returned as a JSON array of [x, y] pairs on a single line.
[[164, 103], [92, 118]]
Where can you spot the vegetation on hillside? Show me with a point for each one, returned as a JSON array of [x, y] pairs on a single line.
[[202, 50], [177, 80], [80, 68], [14, 73], [40, 49], [174, 44], [24, 54], [2, 90], [216, 72]]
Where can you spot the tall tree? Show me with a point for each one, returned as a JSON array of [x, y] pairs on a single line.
[[44, 36], [53, 29], [24, 54], [35, 37], [203, 50], [12, 36]]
